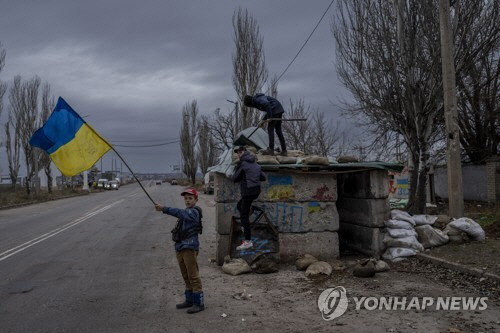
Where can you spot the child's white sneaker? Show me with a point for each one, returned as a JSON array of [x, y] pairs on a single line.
[[246, 244]]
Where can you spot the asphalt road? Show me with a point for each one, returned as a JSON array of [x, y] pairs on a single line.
[[96, 263]]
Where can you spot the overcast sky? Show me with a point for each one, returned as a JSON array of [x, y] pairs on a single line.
[[130, 66]]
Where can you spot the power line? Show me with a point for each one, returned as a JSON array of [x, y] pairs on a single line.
[[153, 145], [303, 45]]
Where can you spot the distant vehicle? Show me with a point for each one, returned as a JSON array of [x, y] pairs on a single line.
[[102, 183], [114, 185], [158, 182], [173, 182]]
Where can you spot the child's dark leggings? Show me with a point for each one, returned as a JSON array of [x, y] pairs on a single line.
[[244, 208]]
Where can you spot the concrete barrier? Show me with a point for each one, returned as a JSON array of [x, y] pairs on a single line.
[[281, 187], [365, 212], [372, 184], [285, 216], [322, 245], [363, 239]]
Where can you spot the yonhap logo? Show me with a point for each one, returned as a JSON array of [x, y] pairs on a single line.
[[333, 303]]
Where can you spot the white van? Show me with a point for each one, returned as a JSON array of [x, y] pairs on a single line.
[[102, 183]]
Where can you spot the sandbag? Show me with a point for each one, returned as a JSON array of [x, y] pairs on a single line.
[[365, 269], [265, 264], [236, 266], [316, 160], [318, 269], [347, 159], [455, 235], [398, 233], [286, 159], [267, 159], [431, 237], [410, 242], [397, 214], [295, 153], [441, 221], [424, 219], [303, 261], [398, 253], [396, 224], [381, 266], [470, 227]]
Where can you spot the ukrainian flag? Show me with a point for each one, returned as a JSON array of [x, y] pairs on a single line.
[[71, 143]]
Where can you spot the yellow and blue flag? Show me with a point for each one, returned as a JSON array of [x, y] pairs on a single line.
[[71, 143]]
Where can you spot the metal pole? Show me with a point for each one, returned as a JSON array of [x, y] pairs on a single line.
[[133, 174], [453, 159]]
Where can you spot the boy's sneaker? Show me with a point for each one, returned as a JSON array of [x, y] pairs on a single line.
[[246, 244]]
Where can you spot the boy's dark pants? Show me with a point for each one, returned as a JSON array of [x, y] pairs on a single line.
[[244, 208], [189, 269], [273, 126]]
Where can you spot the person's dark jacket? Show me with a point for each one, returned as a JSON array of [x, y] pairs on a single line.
[[268, 104], [249, 174], [190, 221]]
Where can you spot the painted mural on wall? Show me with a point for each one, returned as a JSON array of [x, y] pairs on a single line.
[[280, 187], [294, 216], [399, 184]]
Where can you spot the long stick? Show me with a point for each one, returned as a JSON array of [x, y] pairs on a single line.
[[133, 174], [271, 119], [121, 158]]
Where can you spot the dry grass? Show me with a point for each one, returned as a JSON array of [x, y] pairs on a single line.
[[9, 197]]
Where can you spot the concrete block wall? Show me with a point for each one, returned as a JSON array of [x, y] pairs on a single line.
[[301, 205], [363, 206], [493, 179]]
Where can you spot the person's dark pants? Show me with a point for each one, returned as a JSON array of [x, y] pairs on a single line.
[[243, 207], [275, 125]]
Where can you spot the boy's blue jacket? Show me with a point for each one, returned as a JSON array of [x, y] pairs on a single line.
[[268, 104], [190, 220]]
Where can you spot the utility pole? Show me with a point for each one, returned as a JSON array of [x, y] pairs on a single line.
[[453, 159]]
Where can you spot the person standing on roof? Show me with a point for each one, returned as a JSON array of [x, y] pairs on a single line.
[[249, 174], [273, 109]]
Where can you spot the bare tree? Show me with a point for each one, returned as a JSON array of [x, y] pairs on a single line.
[[24, 103], [273, 87], [223, 126], [299, 135], [478, 78], [48, 103], [325, 135], [389, 58], [189, 140], [207, 151], [13, 148], [3, 85], [393, 71], [249, 67]]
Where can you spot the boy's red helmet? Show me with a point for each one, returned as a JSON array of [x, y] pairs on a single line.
[[191, 191]]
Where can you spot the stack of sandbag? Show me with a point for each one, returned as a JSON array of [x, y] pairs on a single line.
[[429, 236], [401, 238]]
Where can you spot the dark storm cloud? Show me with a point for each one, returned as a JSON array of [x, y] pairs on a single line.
[[131, 66]]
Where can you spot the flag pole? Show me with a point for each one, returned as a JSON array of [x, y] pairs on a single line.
[[121, 158], [133, 174]]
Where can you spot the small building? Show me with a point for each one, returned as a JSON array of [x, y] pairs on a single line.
[[315, 208]]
